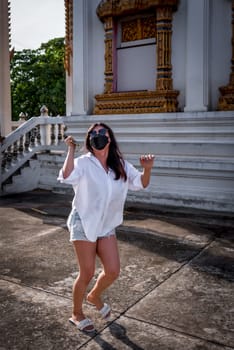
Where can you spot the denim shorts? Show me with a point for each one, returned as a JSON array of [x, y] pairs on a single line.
[[76, 229]]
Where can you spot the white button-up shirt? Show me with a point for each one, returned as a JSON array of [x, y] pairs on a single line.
[[99, 198]]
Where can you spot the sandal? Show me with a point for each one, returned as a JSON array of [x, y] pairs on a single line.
[[105, 312], [83, 325]]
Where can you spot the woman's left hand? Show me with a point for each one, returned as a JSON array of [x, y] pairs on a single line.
[[147, 161]]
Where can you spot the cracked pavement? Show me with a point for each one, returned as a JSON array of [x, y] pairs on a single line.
[[175, 290]]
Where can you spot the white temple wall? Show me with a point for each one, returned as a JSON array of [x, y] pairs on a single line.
[[96, 57], [220, 48], [201, 55], [178, 52], [213, 67], [87, 78], [194, 148]]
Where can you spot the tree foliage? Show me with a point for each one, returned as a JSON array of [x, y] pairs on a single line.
[[38, 78]]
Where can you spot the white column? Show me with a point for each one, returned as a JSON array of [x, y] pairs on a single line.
[[69, 92], [80, 58], [5, 93], [196, 91]]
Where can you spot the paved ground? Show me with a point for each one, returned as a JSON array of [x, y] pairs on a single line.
[[175, 291]]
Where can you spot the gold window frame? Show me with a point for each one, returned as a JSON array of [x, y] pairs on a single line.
[[163, 98]]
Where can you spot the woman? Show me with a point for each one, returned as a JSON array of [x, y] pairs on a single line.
[[100, 179]]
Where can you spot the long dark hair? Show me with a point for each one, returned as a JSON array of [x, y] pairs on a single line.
[[115, 158]]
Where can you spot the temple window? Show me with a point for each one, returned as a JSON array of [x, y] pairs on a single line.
[[136, 52], [138, 69]]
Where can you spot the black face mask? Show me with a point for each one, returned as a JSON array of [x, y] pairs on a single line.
[[99, 141]]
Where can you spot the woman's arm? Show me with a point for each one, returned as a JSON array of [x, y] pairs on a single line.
[[147, 162], [68, 165]]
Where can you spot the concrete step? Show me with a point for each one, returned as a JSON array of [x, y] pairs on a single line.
[[26, 180]]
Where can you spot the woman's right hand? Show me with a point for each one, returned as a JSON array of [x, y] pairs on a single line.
[[70, 142], [68, 165]]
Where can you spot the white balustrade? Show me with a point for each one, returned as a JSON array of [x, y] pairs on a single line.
[[38, 134]]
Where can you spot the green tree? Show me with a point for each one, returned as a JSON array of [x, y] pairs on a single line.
[[38, 78]]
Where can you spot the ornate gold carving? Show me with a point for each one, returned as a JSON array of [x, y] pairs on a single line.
[[108, 26], [9, 21], [68, 34], [114, 8], [138, 29], [164, 33], [129, 31], [137, 102], [12, 49], [164, 99], [148, 27], [226, 101]]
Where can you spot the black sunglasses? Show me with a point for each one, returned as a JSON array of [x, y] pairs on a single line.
[[101, 131]]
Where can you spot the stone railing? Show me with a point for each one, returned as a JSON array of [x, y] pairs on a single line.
[[38, 134]]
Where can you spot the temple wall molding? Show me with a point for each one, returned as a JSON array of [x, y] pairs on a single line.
[[112, 8]]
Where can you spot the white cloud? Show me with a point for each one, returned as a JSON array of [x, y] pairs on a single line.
[[34, 22]]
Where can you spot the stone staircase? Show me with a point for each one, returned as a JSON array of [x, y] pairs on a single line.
[[49, 169], [25, 179], [194, 152], [194, 165], [21, 151]]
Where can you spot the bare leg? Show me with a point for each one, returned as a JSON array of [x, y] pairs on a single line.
[[86, 255], [107, 250]]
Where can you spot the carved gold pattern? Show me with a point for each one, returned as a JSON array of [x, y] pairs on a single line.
[[9, 21], [107, 8], [164, 98], [137, 102], [226, 101], [68, 34], [164, 33], [109, 75], [129, 31], [12, 49], [138, 29], [148, 27]]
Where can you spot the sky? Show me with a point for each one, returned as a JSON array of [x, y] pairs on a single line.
[[36, 21]]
